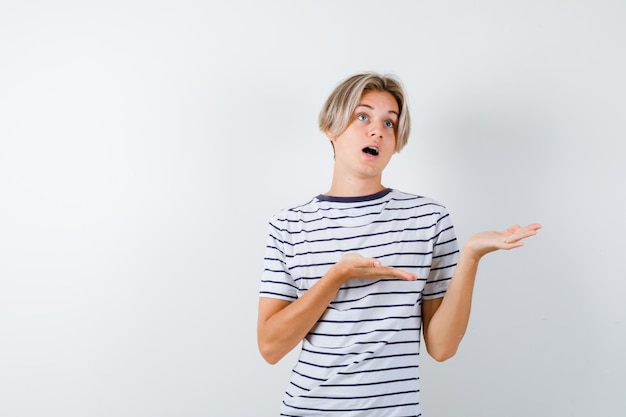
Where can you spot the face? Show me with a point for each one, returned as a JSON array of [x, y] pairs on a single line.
[[366, 146]]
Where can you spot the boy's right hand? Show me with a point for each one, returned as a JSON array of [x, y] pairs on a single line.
[[353, 265]]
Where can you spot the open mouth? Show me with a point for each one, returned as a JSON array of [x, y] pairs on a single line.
[[371, 150]]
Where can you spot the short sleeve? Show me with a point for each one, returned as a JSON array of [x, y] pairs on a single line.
[[445, 255], [276, 281]]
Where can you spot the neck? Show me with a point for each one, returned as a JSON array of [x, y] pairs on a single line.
[[354, 187]]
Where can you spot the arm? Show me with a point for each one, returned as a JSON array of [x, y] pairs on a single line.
[[445, 319], [283, 324]]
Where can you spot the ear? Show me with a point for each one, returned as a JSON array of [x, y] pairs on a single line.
[[329, 136]]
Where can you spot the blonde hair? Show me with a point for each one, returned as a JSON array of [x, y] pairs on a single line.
[[337, 112]]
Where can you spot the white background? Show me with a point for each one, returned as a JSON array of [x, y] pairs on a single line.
[[145, 144]]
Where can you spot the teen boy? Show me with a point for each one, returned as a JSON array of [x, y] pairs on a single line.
[[361, 273]]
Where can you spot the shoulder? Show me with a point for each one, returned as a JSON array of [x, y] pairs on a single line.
[[417, 201], [286, 217]]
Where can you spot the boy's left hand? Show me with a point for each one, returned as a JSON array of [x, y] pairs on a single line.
[[482, 243]]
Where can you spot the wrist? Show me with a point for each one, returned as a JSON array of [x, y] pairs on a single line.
[[471, 254], [335, 276]]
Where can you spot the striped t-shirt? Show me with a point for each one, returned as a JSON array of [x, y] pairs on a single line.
[[362, 357]]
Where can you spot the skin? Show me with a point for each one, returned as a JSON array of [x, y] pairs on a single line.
[[283, 324], [356, 173]]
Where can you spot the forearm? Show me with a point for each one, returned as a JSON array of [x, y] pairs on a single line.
[[281, 331], [283, 324], [445, 323], [445, 329]]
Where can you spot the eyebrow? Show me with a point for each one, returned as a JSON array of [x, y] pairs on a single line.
[[370, 107]]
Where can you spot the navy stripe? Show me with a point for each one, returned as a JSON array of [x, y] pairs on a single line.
[[363, 354]]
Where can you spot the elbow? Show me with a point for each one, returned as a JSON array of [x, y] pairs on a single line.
[[269, 354], [269, 358], [442, 354], [443, 348], [442, 357]]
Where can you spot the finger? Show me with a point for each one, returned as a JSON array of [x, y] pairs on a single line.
[[523, 232], [360, 261], [518, 237], [389, 272], [405, 275], [369, 263], [534, 226], [513, 245], [399, 273], [513, 229], [516, 240], [529, 230]]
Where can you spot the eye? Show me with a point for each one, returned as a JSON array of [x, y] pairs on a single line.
[[389, 124], [361, 116]]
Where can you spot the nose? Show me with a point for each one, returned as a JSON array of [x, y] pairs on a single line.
[[376, 130]]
